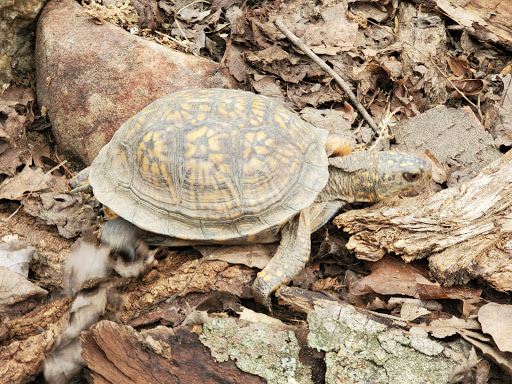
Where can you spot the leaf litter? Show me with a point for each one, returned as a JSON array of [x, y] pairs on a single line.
[[245, 39]]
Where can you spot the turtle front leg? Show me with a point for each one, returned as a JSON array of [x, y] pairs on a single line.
[[291, 256]]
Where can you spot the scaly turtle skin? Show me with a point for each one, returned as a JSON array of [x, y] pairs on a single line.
[[226, 166]]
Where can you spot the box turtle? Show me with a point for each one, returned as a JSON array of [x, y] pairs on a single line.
[[231, 167]]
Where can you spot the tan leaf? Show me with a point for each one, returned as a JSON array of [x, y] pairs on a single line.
[[28, 180], [441, 328], [411, 311], [492, 317]]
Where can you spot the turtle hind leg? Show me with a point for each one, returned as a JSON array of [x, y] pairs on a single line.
[[123, 237], [291, 256]]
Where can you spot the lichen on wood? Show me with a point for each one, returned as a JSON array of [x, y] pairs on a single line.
[[382, 354]]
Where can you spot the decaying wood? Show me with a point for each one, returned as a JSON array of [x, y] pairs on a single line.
[[300, 299], [488, 21], [181, 274], [304, 301], [465, 231], [30, 338], [119, 354]]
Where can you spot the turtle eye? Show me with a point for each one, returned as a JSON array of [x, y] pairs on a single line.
[[411, 176]]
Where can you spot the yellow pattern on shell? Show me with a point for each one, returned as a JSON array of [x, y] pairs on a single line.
[[219, 159]]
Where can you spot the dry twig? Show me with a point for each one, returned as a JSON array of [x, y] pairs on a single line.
[[63, 163], [322, 64]]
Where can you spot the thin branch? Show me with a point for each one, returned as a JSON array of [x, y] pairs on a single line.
[[180, 43], [342, 83], [66, 170], [192, 3]]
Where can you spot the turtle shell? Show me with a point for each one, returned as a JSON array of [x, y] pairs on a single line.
[[211, 164]]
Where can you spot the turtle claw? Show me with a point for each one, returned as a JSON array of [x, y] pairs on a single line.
[[261, 292]]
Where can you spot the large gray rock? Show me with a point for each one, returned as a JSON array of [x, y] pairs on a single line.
[[91, 77]]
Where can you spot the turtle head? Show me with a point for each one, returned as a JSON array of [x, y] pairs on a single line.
[[374, 176]]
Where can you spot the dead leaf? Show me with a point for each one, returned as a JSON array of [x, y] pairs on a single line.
[[470, 19], [462, 371], [225, 4], [483, 369], [313, 94], [469, 87], [491, 317], [369, 77], [430, 305], [307, 276], [150, 14], [392, 66], [468, 294], [218, 302], [40, 153], [460, 67], [30, 179], [279, 62], [502, 359], [267, 85], [335, 34], [17, 294], [410, 311], [199, 41], [238, 21], [374, 11], [326, 284], [335, 121], [441, 328], [394, 277], [72, 213], [236, 64], [15, 116], [375, 303], [192, 15], [16, 256]]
